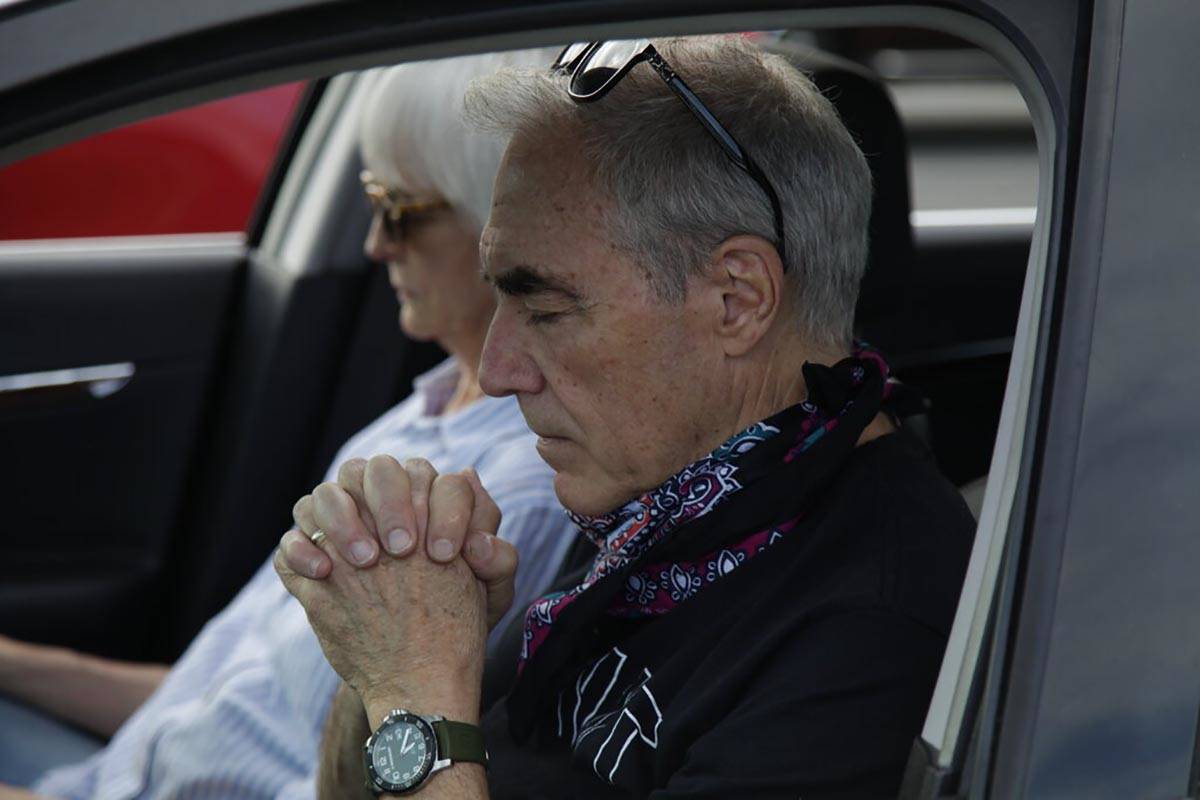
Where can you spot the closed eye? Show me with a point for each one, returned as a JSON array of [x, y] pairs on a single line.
[[543, 317]]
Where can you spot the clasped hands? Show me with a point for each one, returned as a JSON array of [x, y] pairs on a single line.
[[404, 588]]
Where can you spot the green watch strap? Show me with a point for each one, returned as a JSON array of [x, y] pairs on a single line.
[[459, 741]]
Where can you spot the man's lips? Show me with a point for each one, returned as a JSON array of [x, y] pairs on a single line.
[[550, 439], [542, 433], [552, 448]]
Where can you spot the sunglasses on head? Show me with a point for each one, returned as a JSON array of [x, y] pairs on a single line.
[[392, 207], [596, 67]]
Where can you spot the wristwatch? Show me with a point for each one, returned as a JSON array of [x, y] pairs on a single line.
[[407, 748]]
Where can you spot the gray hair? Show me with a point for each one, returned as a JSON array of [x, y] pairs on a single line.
[[412, 135], [676, 196]]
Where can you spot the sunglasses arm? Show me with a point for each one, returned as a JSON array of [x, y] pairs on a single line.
[[733, 150]]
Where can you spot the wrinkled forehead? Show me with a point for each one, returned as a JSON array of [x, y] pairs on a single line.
[[544, 209], [546, 169]]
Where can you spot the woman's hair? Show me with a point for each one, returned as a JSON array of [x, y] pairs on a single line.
[[413, 137], [676, 196]]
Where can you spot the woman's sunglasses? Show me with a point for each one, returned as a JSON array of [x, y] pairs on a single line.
[[392, 208], [596, 67]]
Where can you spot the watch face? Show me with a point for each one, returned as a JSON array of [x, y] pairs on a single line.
[[401, 753]]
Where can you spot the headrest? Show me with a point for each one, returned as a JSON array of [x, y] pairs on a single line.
[[867, 111]]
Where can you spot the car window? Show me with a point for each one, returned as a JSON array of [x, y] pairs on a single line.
[[198, 170], [967, 126]]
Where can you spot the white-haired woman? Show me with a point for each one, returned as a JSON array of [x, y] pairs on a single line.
[[241, 713]]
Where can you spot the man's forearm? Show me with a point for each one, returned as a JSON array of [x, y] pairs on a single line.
[[96, 694], [341, 772]]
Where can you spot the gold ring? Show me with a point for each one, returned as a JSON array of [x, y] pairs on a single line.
[[318, 537]]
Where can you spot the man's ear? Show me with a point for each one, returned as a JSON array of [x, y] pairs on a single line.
[[749, 276]]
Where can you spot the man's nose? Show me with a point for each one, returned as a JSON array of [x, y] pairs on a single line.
[[378, 245], [505, 367]]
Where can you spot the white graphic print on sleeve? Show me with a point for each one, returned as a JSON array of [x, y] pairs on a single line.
[[603, 730]]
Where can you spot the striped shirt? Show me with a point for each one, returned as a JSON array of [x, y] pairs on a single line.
[[240, 715]]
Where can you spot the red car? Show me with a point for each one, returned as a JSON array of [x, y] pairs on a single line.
[[198, 170]]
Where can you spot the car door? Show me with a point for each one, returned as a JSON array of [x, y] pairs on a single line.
[[166, 392], [100, 412], [122, 261]]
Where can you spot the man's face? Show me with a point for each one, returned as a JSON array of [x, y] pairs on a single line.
[[614, 381]]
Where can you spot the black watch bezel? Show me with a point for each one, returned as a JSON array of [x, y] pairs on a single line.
[[379, 784]]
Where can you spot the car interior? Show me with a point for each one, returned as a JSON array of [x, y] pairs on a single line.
[[245, 360]]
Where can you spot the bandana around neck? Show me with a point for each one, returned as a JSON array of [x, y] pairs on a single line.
[[625, 537]]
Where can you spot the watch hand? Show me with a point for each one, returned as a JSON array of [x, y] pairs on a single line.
[[404, 745]]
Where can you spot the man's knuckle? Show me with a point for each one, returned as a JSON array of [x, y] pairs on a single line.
[[329, 489], [384, 461], [282, 568], [339, 503], [419, 466], [301, 506], [454, 485], [321, 494], [351, 471]]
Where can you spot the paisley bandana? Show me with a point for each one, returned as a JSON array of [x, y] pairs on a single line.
[[624, 537]]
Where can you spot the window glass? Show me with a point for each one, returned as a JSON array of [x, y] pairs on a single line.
[[966, 123], [197, 170]]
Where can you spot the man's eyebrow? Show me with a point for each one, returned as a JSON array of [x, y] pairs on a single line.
[[521, 281]]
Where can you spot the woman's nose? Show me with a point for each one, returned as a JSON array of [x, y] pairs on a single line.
[[379, 246]]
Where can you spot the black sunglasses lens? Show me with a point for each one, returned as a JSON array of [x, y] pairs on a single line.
[[391, 228], [591, 80], [602, 64]]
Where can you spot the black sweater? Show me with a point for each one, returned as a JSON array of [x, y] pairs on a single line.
[[805, 672]]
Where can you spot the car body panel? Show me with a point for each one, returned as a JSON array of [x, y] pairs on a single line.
[[197, 170], [1115, 710]]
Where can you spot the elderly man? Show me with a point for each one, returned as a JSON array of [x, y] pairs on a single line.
[[676, 265]]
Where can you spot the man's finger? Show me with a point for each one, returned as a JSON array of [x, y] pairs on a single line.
[[335, 513], [494, 562], [451, 502], [388, 493], [421, 476], [302, 557], [485, 516], [302, 514], [350, 477]]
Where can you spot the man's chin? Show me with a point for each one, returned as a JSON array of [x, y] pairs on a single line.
[[584, 496]]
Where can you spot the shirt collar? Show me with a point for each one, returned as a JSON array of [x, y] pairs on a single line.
[[485, 419], [436, 387]]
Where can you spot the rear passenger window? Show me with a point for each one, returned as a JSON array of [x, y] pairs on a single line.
[[198, 170]]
